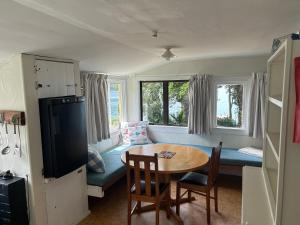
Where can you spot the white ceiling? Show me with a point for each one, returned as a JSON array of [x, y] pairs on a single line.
[[114, 36]]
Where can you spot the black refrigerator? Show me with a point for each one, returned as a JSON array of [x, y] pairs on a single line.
[[64, 135]]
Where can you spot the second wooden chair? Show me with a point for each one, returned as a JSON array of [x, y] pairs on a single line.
[[202, 184]]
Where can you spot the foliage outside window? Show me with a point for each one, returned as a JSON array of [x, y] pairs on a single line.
[[165, 102], [115, 105], [229, 105]]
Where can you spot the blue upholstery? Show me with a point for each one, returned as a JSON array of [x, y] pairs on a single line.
[[231, 156], [115, 168]]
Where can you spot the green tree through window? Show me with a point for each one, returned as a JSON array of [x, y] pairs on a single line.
[[165, 102]]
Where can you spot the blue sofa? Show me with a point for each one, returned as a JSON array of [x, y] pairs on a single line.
[[115, 169]]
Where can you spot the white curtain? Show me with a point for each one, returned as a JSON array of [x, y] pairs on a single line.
[[200, 118], [257, 104], [95, 86]]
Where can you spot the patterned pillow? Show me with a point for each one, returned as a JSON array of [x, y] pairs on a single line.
[[134, 124], [138, 135], [125, 127], [95, 161]]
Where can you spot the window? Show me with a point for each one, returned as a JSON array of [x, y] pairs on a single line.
[[229, 105], [165, 102], [230, 96], [115, 104]]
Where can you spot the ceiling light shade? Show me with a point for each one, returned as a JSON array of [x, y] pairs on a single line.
[[168, 54]]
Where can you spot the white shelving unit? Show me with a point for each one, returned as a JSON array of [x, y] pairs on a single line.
[[281, 161]]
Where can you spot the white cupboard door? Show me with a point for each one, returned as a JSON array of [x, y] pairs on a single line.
[[43, 83], [69, 79], [55, 79]]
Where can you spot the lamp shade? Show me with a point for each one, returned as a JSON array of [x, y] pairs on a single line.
[[168, 54]]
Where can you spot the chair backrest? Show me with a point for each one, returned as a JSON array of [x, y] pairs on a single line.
[[142, 167], [214, 164]]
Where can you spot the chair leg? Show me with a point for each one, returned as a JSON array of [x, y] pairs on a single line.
[[139, 206], [178, 193], [189, 195], [168, 199], [129, 212], [157, 214], [216, 198], [208, 206]]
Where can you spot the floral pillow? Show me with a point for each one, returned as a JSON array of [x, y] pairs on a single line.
[[127, 129], [138, 135]]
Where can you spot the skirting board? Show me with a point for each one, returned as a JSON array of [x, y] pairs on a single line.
[[95, 191]]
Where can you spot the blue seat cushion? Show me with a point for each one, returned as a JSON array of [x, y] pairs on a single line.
[[114, 167], [231, 156], [195, 178]]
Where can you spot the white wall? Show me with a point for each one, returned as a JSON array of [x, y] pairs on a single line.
[[12, 98], [231, 66]]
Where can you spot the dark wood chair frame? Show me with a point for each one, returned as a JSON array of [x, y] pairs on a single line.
[[213, 170], [149, 176]]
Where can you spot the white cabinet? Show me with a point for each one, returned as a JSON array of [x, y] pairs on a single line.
[[54, 78]]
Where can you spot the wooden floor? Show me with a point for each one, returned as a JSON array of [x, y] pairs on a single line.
[[112, 209]]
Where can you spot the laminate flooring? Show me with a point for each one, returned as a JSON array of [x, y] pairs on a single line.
[[112, 209]]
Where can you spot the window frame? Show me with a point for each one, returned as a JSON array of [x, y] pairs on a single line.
[[234, 80], [123, 116], [165, 100]]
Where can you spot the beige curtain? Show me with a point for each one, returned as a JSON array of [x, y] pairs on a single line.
[[95, 89], [200, 119], [257, 105]]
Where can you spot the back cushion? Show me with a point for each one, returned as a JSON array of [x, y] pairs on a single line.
[[138, 135], [129, 132], [95, 161]]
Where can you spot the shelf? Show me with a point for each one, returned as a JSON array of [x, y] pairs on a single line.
[[276, 100], [273, 139]]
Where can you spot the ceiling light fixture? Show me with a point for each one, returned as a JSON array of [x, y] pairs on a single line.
[[168, 54]]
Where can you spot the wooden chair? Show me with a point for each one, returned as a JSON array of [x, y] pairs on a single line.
[[148, 189], [201, 184]]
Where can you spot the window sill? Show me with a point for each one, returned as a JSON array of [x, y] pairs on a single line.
[[228, 130], [169, 129], [184, 130]]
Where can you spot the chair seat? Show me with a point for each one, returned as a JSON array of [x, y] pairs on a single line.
[[195, 178], [162, 188]]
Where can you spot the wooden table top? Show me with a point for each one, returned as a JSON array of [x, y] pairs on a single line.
[[186, 158]]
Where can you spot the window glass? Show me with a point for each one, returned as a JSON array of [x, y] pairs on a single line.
[[165, 102], [178, 103], [229, 105], [115, 104], [152, 98]]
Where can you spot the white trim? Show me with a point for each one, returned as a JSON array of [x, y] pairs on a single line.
[[95, 191], [123, 83], [243, 80]]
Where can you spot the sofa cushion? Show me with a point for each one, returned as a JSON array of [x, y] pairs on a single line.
[[231, 156], [114, 167], [95, 162]]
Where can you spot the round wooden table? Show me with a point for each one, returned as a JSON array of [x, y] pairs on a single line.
[[186, 159]]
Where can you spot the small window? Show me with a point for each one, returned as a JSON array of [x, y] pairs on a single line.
[[165, 102], [229, 105], [115, 105]]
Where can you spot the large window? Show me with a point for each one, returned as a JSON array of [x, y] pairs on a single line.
[[165, 102], [115, 104]]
